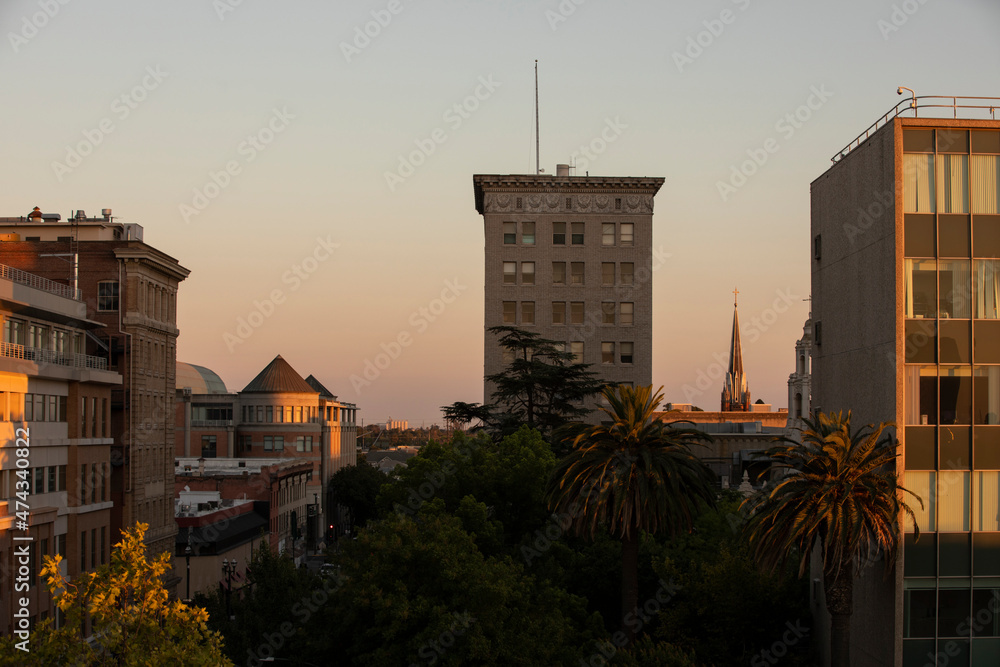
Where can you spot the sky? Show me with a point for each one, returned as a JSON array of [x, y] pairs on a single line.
[[311, 162]]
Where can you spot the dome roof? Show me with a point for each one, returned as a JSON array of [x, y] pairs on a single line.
[[278, 378], [199, 379]]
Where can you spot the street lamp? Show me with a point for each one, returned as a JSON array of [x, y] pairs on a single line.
[[229, 569], [187, 557]]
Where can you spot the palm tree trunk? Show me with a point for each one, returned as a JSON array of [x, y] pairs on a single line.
[[630, 582], [839, 602]]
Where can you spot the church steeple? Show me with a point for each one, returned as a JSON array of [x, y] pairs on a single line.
[[735, 392]]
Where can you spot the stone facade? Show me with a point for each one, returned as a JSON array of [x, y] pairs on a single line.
[[590, 240]]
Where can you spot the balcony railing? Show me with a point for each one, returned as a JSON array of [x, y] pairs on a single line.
[[15, 351], [934, 106], [44, 284]]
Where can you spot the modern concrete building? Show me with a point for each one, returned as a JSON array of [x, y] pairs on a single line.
[[130, 288], [55, 441], [906, 328], [571, 258]]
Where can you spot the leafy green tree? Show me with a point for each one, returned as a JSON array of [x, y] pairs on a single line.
[[275, 593], [508, 476], [133, 621], [726, 609], [356, 488], [541, 388], [416, 589], [839, 492], [634, 474]]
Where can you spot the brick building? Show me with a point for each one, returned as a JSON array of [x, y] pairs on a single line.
[[278, 416], [130, 289]]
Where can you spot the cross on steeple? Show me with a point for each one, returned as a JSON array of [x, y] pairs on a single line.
[[736, 294]]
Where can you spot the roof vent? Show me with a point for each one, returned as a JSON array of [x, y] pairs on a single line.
[[36, 214]]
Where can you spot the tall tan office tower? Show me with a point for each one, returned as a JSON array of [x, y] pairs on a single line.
[[571, 258]]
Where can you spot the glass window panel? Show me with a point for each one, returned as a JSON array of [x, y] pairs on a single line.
[[607, 273], [919, 235], [921, 343], [921, 448], [920, 612], [558, 312], [921, 395], [918, 141], [920, 555], [953, 611], [528, 233], [986, 447], [608, 312], [953, 141], [558, 273], [509, 233], [510, 312], [558, 233], [956, 289], [510, 273], [921, 287], [956, 443], [577, 233], [918, 183], [955, 341], [527, 312], [985, 141], [986, 409], [955, 556], [921, 483], [953, 501], [986, 554], [627, 272], [953, 183], [954, 236], [625, 352], [986, 501], [984, 182], [576, 312], [986, 236], [527, 273], [987, 292], [576, 348], [955, 391], [986, 341], [628, 233], [608, 233], [626, 314], [576, 273], [607, 353]]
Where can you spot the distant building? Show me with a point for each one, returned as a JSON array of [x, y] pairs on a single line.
[[735, 390], [55, 439], [800, 382], [130, 290], [571, 258], [396, 425], [278, 415]]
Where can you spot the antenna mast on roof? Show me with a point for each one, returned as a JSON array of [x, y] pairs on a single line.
[[537, 164]]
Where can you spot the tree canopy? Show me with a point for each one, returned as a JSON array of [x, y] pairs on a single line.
[[133, 621]]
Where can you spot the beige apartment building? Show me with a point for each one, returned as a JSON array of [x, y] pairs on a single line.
[[571, 258], [906, 328]]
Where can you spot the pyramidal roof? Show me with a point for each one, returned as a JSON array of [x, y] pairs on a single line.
[[278, 377], [318, 386]]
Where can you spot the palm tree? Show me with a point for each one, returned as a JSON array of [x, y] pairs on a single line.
[[839, 493], [632, 474]]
